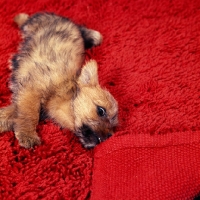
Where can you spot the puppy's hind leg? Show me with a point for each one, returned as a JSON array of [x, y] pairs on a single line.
[[91, 37], [6, 118], [21, 18]]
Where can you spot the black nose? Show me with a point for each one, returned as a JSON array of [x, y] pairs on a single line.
[[109, 135]]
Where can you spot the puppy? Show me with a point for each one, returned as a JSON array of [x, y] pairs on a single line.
[[48, 80]]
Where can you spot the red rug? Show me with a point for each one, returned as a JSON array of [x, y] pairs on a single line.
[[150, 61]]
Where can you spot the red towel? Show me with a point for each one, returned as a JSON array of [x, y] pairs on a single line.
[[148, 167], [150, 62]]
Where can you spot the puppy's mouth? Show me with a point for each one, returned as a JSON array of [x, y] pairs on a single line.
[[88, 137]]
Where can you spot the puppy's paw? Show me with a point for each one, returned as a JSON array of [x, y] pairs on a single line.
[[91, 37], [28, 140], [97, 37]]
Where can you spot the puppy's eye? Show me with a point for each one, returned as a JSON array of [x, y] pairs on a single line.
[[101, 111]]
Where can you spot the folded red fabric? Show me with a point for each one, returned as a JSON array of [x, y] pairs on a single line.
[[148, 167]]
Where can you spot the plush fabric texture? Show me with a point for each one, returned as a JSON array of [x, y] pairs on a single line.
[[150, 62]]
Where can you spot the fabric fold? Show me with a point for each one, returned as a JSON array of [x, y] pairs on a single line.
[[148, 167]]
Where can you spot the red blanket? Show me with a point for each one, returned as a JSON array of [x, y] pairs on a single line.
[[150, 62]]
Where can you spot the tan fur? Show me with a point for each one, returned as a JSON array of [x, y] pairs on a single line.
[[47, 76], [21, 19]]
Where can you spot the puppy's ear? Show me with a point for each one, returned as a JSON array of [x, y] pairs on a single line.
[[89, 74]]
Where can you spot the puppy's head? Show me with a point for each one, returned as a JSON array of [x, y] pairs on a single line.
[[95, 109]]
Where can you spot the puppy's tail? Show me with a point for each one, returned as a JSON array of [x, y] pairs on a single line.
[[6, 118], [21, 18], [91, 37]]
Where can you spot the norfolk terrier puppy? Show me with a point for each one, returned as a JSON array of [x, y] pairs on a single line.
[[49, 80]]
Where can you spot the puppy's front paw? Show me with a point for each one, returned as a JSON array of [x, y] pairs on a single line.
[[28, 140]]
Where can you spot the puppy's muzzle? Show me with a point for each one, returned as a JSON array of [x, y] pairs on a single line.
[[90, 138]]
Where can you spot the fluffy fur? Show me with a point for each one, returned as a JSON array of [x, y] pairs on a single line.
[[47, 80]]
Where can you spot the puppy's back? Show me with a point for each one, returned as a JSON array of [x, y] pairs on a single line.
[[50, 39], [52, 51]]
